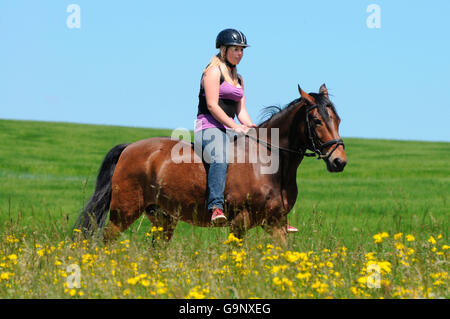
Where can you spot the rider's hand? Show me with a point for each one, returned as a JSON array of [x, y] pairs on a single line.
[[252, 125], [241, 129]]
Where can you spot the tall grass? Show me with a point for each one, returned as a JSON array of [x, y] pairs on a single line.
[[48, 171]]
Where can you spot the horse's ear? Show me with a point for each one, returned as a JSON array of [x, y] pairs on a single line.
[[305, 95], [323, 89]]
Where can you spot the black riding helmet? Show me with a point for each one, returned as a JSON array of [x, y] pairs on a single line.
[[229, 37]]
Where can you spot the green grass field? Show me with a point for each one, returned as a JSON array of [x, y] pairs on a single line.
[[48, 172]]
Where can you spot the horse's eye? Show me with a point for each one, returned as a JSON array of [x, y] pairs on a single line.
[[317, 121]]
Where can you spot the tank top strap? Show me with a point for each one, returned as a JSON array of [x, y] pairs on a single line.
[[222, 79]]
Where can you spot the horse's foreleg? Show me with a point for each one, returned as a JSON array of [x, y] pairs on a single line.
[[277, 228], [240, 224]]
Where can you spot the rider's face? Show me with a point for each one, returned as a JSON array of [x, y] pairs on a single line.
[[235, 54]]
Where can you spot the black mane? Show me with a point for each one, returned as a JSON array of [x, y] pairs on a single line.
[[273, 112]]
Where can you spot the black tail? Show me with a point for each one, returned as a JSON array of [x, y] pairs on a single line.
[[94, 214]]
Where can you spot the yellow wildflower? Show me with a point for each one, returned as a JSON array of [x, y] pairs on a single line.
[[398, 236], [356, 291], [287, 282], [292, 257], [410, 238], [404, 263], [276, 280], [232, 239], [224, 256], [276, 269], [363, 280], [379, 237], [442, 275], [6, 275], [320, 287], [432, 240], [370, 256], [303, 275], [238, 256], [197, 293], [134, 280], [11, 239], [385, 266]]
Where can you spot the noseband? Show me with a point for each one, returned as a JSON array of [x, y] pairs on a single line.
[[312, 136]]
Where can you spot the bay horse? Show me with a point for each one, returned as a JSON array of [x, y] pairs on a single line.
[[141, 177]]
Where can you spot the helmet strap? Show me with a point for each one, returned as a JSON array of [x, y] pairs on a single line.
[[226, 60], [229, 64]]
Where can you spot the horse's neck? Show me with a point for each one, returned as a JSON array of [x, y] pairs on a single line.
[[288, 124]]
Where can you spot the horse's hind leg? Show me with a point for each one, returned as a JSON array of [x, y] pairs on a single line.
[[126, 207], [160, 219]]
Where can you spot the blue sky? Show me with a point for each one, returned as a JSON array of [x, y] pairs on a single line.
[[138, 63]]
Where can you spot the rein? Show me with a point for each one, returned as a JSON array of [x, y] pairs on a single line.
[[311, 136]]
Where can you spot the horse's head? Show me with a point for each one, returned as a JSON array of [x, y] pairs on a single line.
[[322, 129]]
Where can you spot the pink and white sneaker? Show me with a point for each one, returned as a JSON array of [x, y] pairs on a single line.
[[291, 229], [218, 216]]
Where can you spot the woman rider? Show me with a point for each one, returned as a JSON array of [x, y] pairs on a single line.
[[221, 98]]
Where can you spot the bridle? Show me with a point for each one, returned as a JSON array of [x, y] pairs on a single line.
[[312, 136]]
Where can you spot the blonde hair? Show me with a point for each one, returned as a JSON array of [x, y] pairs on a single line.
[[219, 60]]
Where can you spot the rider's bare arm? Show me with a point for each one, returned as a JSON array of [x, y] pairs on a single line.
[[242, 113], [211, 83]]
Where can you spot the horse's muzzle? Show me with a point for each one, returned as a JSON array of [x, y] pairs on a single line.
[[336, 164]]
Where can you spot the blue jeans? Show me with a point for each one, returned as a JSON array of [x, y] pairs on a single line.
[[214, 144]]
